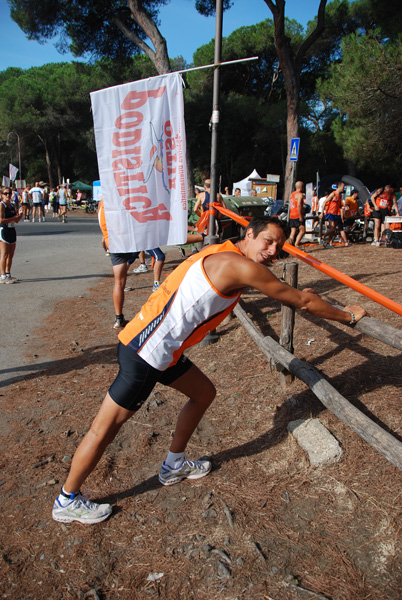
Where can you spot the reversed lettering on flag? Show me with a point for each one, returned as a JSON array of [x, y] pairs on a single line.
[[140, 141]]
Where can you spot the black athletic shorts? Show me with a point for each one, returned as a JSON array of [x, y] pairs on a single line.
[[295, 223], [8, 235], [380, 213], [124, 257], [136, 378]]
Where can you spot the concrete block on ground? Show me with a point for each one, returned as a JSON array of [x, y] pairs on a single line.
[[321, 446]]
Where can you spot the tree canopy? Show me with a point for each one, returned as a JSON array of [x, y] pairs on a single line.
[[353, 116], [366, 87], [96, 28]]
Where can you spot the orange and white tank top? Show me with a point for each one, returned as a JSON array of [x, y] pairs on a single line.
[[384, 200], [180, 313]]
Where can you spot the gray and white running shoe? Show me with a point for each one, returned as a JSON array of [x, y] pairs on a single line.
[[81, 509], [187, 470]]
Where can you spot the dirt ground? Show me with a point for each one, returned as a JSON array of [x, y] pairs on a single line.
[[265, 524]]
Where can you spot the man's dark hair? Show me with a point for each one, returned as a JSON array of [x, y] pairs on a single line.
[[258, 224]]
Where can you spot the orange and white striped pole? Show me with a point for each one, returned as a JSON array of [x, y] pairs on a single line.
[[324, 268]]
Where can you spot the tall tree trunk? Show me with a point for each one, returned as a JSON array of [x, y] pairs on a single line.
[[159, 55], [291, 65], [48, 160]]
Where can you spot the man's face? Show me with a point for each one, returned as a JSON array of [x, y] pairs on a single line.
[[265, 247], [389, 189], [237, 192]]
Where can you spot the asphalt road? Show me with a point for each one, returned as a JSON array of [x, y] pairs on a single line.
[[53, 261]]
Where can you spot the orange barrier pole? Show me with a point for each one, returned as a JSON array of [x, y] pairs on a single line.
[[318, 264]]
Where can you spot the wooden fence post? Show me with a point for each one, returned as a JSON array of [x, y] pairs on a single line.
[[290, 276]]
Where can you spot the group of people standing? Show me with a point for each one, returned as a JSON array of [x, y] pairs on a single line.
[[339, 215], [37, 200], [33, 202]]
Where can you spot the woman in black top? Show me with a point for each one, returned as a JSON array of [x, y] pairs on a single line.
[[8, 235]]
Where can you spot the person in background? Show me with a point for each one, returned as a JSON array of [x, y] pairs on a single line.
[[26, 207], [36, 193], [203, 203], [16, 199], [384, 201], [237, 192], [158, 259], [333, 209], [350, 213], [45, 203], [120, 265], [399, 200], [62, 199], [8, 236], [296, 215]]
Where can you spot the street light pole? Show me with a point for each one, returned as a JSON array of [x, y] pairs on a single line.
[[211, 238], [8, 143]]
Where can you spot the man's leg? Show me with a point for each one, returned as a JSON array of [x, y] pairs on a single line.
[[120, 278], [302, 231], [201, 392], [158, 269], [377, 225], [71, 504], [102, 432], [292, 236], [159, 258], [331, 231]]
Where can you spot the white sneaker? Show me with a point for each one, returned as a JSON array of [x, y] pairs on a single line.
[[80, 509], [187, 470], [141, 269], [374, 243]]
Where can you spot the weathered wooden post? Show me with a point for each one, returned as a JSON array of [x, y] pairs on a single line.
[[290, 275]]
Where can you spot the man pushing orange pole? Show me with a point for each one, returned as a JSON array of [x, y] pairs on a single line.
[[321, 266]]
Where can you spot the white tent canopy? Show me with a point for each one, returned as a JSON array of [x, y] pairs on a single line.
[[245, 184]]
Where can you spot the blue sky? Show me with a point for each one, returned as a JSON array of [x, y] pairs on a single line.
[[184, 29]]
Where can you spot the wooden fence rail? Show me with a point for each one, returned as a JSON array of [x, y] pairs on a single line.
[[381, 440]]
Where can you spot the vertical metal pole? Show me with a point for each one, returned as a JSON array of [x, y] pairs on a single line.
[[19, 159], [211, 238]]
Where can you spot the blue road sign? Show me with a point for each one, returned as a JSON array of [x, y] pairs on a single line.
[[294, 149]]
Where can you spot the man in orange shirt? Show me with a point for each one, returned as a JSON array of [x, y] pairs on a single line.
[[192, 301], [296, 215], [350, 212], [384, 201], [333, 210]]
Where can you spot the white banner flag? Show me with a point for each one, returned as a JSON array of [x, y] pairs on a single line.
[[141, 149], [12, 172]]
